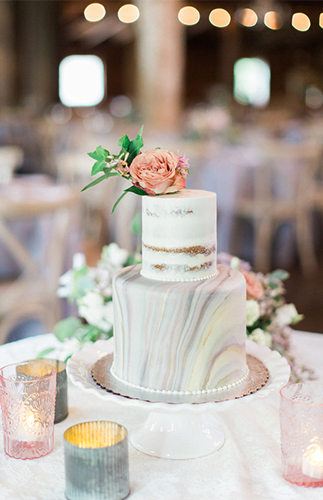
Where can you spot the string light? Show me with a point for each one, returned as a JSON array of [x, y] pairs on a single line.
[[220, 18], [189, 16], [128, 13], [94, 12], [301, 22], [321, 20], [273, 20], [246, 17]]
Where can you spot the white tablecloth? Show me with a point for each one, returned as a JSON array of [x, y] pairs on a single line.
[[247, 467]]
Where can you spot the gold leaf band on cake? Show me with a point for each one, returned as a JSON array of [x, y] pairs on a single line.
[[192, 251]]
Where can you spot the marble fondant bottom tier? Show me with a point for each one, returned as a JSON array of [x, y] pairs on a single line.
[[179, 336]]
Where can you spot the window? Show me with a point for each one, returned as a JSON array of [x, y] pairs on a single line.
[[252, 82], [81, 80]]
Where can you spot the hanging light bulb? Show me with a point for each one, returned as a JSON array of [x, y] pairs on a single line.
[[301, 21], [128, 13], [220, 18], [273, 20], [246, 17], [94, 12], [189, 16]]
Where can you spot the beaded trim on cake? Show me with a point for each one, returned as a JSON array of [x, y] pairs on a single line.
[[158, 391], [160, 277]]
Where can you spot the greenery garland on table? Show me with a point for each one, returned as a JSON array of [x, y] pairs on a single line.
[[268, 317]]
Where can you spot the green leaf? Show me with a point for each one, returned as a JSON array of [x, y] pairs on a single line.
[[99, 154], [94, 183], [113, 174], [135, 146], [98, 167], [132, 189], [278, 274], [124, 142], [118, 201], [136, 190], [44, 353], [136, 224], [67, 327]]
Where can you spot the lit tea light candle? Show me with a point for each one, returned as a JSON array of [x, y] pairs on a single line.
[[313, 462]]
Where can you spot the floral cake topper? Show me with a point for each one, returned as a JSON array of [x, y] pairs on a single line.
[[156, 171]]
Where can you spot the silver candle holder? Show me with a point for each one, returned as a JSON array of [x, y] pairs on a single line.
[[96, 461]]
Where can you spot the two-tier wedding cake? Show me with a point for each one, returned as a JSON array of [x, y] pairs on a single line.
[[179, 319]]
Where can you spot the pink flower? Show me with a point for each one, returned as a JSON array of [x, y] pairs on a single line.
[[155, 171], [183, 166], [255, 289]]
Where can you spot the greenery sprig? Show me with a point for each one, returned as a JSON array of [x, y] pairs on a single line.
[[117, 165]]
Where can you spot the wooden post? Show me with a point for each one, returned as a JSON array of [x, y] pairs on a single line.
[[160, 63], [7, 59]]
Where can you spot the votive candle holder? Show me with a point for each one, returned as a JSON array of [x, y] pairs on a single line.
[[61, 400], [28, 401], [96, 461], [301, 421]]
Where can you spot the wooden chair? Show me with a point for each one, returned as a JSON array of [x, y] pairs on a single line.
[[281, 195], [33, 295], [10, 159]]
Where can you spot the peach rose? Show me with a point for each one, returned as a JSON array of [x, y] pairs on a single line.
[[255, 289], [155, 172]]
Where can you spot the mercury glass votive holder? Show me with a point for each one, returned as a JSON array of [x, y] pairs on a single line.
[[301, 422], [96, 461], [27, 393], [61, 400]]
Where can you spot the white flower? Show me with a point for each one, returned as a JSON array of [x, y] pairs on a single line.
[[252, 312], [66, 284], [95, 311], [260, 337], [79, 261], [285, 315], [115, 255]]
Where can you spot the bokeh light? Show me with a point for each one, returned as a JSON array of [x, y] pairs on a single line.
[[81, 80], [120, 106], [273, 20], [189, 16], [94, 12], [252, 81], [220, 18], [246, 17], [128, 13], [313, 97], [301, 21]]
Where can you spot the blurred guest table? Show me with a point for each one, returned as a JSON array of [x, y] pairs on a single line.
[[247, 467]]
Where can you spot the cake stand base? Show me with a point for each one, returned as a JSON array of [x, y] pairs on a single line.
[[178, 436], [175, 431]]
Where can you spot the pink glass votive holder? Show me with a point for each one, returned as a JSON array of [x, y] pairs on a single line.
[[27, 393], [301, 423]]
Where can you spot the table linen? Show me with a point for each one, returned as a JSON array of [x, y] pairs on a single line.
[[247, 467]]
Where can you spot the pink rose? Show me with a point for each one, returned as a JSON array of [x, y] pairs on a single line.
[[255, 289], [155, 171]]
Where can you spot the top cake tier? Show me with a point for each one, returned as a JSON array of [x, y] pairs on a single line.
[[179, 236]]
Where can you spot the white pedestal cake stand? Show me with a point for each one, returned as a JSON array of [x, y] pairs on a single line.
[[176, 431]]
